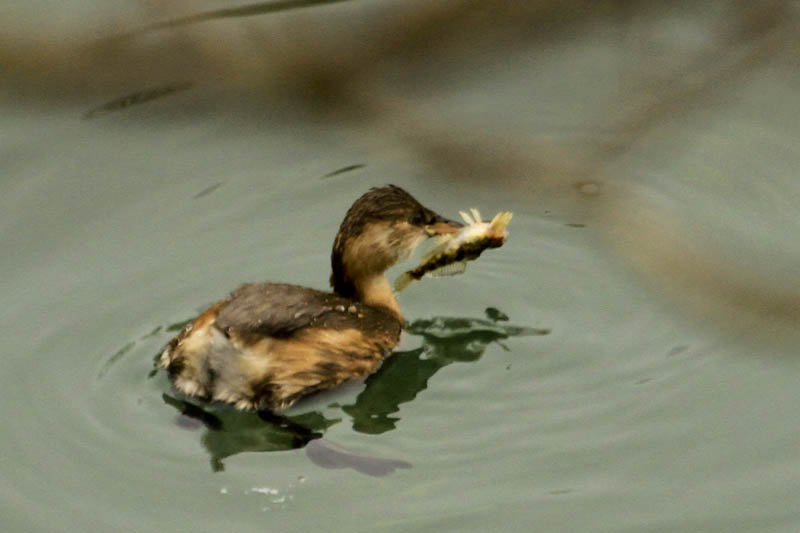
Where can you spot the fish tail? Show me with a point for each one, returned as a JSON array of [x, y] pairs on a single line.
[[500, 222]]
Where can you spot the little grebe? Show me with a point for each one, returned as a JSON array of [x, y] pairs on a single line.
[[269, 344]]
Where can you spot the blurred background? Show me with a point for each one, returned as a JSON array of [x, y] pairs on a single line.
[[156, 154]]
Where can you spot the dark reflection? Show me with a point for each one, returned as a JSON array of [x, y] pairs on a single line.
[[191, 412], [114, 358], [496, 315], [140, 97], [445, 340], [326, 454], [404, 375], [208, 190], [230, 432], [348, 168], [177, 326], [259, 8]]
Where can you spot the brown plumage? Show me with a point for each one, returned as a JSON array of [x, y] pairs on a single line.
[[269, 344]]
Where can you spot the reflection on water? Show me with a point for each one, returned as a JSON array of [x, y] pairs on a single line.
[[208, 190], [249, 10], [137, 98], [667, 129], [445, 340], [326, 454], [400, 379], [348, 168], [230, 432]]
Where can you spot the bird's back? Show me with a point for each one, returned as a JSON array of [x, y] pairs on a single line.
[[269, 344]]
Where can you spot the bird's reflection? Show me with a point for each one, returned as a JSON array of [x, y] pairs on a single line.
[[445, 340], [230, 432]]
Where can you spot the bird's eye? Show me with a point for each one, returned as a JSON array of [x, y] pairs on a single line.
[[419, 219]]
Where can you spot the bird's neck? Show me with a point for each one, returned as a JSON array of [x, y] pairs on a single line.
[[375, 290]]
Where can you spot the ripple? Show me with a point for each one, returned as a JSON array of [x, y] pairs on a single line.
[[228, 432]]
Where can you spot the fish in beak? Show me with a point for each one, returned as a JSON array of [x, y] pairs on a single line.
[[442, 226]]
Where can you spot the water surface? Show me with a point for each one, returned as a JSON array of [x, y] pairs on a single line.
[[588, 376]]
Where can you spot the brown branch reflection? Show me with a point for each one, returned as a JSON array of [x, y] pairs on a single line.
[[369, 65]]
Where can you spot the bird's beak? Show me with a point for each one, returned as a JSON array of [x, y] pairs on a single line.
[[443, 226]]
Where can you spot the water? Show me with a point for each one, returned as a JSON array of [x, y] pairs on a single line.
[[626, 391]]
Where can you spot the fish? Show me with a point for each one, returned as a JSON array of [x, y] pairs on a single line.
[[450, 253]]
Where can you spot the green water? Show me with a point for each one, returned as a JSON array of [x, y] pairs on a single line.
[[622, 393]]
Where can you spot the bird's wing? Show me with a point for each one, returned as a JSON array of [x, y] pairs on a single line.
[[276, 309]]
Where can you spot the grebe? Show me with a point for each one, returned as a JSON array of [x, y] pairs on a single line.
[[269, 344]]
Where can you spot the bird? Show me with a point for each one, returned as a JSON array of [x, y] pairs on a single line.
[[266, 345]]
